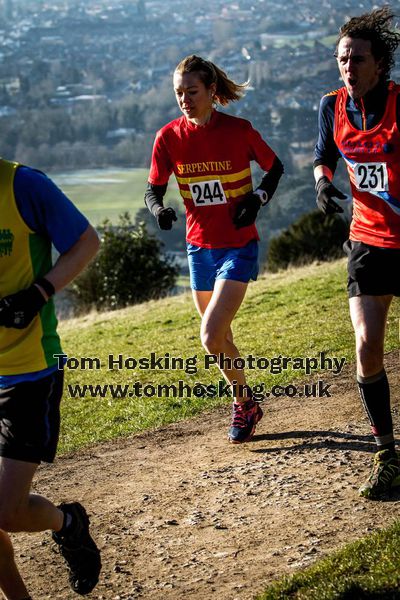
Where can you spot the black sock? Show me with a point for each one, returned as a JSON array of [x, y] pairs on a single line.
[[375, 396]]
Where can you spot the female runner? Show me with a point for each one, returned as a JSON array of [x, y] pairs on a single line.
[[209, 153]]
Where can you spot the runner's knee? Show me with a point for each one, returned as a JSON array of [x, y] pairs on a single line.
[[212, 340], [369, 355]]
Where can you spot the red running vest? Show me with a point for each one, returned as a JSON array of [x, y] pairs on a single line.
[[372, 158]]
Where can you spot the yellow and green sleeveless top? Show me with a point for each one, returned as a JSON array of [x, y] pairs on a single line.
[[24, 256]]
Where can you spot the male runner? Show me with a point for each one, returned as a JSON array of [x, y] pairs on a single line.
[[34, 213], [360, 123]]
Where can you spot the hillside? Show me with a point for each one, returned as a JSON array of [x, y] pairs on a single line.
[[180, 513], [298, 313]]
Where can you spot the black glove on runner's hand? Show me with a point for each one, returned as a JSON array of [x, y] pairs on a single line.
[[18, 310], [325, 192], [165, 217], [247, 210]]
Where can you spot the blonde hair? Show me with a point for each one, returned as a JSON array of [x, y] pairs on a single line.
[[227, 90]]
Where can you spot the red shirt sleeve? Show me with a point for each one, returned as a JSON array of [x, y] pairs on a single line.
[[161, 166], [259, 150]]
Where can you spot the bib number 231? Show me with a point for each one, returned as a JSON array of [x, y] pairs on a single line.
[[207, 193], [371, 177]]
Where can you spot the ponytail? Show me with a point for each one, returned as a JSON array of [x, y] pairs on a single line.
[[227, 90]]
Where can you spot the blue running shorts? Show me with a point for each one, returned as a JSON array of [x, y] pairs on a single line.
[[208, 264]]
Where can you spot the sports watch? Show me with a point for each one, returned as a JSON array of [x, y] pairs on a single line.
[[263, 196]]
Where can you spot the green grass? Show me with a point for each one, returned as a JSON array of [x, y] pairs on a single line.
[[298, 313], [365, 569], [106, 193]]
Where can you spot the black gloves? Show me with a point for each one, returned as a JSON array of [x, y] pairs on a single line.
[[153, 199], [246, 210], [325, 192], [165, 217], [17, 310]]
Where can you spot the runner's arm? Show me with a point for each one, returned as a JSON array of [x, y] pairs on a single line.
[[48, 212], [247, 209], [270, 181], [326, 158], [17, 310], [73, 261], [160, 171], [326, 153], [153, 199]]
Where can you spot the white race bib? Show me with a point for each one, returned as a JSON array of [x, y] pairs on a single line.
[[207, 193], [371, 177]]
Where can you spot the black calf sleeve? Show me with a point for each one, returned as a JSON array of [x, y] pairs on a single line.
[[375, 396]]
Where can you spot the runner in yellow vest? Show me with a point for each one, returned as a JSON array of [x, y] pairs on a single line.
[[34, 214]]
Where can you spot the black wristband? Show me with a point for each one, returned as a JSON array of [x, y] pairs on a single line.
[[46, 285]]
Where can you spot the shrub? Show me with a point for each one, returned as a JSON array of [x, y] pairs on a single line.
[[314, 236], [128, 269]]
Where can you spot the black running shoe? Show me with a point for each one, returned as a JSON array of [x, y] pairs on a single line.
[[79, 550]]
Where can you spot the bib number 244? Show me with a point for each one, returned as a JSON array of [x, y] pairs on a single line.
[[207, 193]]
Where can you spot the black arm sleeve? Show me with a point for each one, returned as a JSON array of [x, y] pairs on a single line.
[[326, 152], [270, 181], [153, 197]]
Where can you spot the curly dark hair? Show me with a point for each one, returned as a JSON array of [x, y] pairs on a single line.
[[375, 27]]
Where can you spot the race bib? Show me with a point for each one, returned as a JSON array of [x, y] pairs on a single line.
[[207, 193], [371, 177]]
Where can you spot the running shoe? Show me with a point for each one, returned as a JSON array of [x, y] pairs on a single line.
[[384, 477], [79, 550], [245, 417]]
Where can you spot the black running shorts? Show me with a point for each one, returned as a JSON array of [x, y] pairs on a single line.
[[372, 270], [30, 419]]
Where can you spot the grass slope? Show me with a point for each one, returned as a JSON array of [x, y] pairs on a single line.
[[299, 313], [365, 569], [106, 193]]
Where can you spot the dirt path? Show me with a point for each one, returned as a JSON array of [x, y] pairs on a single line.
[[180, 513]]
